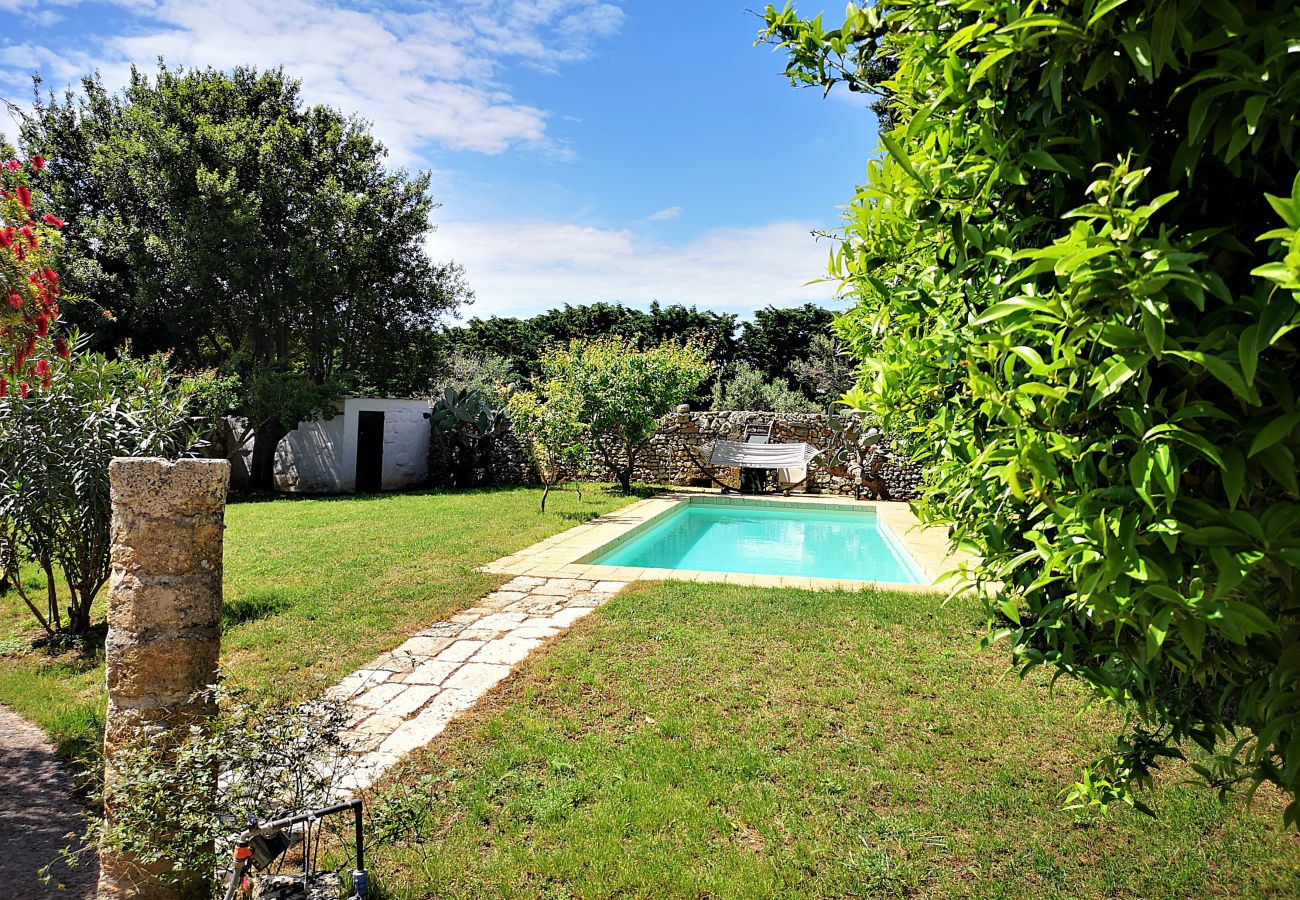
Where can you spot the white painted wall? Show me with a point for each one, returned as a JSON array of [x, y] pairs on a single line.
[[321, 456]]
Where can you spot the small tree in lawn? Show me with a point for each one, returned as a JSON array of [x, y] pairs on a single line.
[[546, 420], [621, 391]]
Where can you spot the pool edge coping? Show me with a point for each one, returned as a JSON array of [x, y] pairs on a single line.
[[565, 555]]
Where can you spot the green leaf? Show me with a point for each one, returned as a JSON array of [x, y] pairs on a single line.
[[1221, 369], [1273, 432], [1041, 159], [1192, 630], [902, 159], [1104, 8], [1234, 475], [987, 63]]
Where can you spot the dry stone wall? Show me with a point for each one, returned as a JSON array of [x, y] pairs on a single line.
[[668, 458]]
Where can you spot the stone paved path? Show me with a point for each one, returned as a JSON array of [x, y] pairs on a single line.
[[37, 812], [405, 698]]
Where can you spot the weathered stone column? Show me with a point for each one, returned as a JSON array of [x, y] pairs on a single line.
[[164, 620]]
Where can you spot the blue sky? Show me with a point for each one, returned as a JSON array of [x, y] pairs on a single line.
[[582, 149]]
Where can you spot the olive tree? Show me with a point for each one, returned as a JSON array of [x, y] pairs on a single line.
[[1076, 266]]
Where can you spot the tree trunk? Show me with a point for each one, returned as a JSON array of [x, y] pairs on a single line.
[[261, 469], [629, 466], [546, 489]]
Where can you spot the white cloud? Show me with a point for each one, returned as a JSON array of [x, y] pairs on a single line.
[[664, 215], [519, 268], [428, 72]]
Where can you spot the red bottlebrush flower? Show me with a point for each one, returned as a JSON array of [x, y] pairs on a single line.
[[24, 194], [42, 367], [51, 276], [27, 235], [53, 221], [13, 165], [6, 237], [38, 162], [15, 301], [47, 381], [61, 347], [4, 387], [42, 327], [22, 389]]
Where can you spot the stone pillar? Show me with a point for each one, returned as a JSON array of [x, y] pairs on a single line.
[[164, 620]]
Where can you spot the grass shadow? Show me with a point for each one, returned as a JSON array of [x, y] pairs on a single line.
[[86, 648], [251, 609]]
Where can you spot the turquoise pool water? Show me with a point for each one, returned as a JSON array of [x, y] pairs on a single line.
[[768, 539]]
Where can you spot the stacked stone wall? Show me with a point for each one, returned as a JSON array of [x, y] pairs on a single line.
[[670, 457]]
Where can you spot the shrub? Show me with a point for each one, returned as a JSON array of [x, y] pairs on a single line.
[[55, 447], [29, 287], [464, 426], [1071, 293], [171, 811], [745, 387]]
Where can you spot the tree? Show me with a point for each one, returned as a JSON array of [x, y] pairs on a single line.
[[487, 373], [826, 373], [55, 447], [522, 340], [620, 392], [1077, 271], [779, 336], [217, 215], [744, 387], [547, 420]]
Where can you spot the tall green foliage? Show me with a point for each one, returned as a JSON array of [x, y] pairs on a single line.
[[217, 215], [1077, 277], [546, 418]]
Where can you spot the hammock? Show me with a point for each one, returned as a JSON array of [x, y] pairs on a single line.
[[762, 456], [791, 460]]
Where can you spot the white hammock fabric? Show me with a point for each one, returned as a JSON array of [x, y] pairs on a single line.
[[791, 459]]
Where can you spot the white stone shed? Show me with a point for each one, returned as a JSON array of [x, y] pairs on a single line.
[[373, 444]]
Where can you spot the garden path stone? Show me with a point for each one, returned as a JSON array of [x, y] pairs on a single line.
[[406, 697], [37, 813]]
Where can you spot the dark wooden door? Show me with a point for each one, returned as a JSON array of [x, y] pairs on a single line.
[[370, 451]]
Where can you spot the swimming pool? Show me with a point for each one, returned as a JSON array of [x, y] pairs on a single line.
[[759, 538]]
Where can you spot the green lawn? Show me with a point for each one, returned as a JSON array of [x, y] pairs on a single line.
[[698, 740], [314, 589]]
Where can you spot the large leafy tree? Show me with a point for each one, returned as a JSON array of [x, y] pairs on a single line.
[[1077, 270], [217, 215], [779, 336]]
